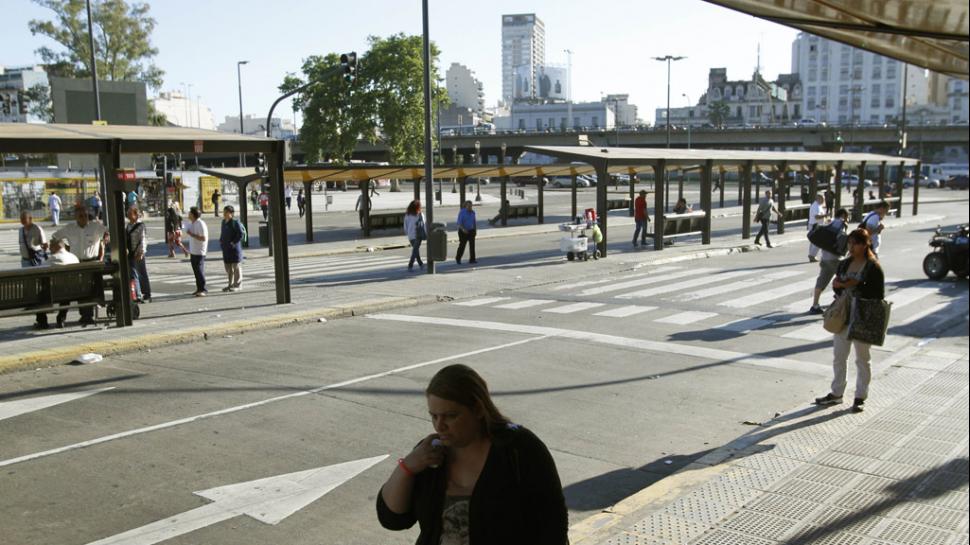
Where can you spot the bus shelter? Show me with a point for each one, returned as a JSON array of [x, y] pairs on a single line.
[[660, 160], [110, 142]]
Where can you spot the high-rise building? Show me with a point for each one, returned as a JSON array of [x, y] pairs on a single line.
[[842, 84], [523, 45], [15, 85], [182, 111], [464, 90]]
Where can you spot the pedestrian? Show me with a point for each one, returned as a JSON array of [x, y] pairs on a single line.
[[479, 479], [414, 228], [59, 255], [829, 263], [131, 198], [230, 240], [198, 233], [94, 206], [502, 212], [54, 206], [641, 219], [84, 239], [33, 252], [829, 199], [872, 222], [467, 229], [362, 207], [682, 207], [264, 204], [254, 198], [596, 238], [872, 196], [137, 240], [215, 202], [763, 216], [816, 214], [173, 229], [301, 203], [859, 276], [288, 196]]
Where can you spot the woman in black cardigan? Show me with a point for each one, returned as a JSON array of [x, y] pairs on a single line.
[[858, 275], [478, 480]]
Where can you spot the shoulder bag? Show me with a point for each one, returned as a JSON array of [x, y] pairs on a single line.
[[869, 320], [836, 316]]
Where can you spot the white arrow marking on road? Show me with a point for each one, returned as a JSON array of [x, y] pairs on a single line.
[[10, 409], [268, 500]]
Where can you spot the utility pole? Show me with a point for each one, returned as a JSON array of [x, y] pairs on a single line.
[[428, 166], [94, 64], [242, 157]]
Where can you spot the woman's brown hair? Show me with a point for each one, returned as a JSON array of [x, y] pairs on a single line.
[[461, 384], [861, 236], [413, 208]]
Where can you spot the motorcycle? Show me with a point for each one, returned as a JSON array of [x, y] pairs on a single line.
[[951, 252]]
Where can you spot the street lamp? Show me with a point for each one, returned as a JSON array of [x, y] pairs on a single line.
[[242, 157], [690, 107], [478, 179], [668, 59]]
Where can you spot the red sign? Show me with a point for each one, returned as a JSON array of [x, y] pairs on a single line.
[[197, 145], [126, 175]]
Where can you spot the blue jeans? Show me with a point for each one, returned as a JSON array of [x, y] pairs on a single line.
[[640, 231], [415, 254], [139, 273], [198, 269]]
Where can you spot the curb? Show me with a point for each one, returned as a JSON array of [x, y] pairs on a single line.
[[59, 356]]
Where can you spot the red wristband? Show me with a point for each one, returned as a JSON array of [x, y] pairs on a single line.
[[407, 471]]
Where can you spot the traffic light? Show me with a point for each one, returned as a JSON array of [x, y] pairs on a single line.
[[158, 165], [348, 61], [261, 164]]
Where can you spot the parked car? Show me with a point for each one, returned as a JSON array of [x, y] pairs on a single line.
[[961, 181], [566, 181], [852, 180], [932, 183]]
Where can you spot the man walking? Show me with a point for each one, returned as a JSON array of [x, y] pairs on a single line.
[[33, 252], [467, 229], [137, 241], [873, 223], [215, 202], [763, 216], [829, 263], [816, 213], [54, 205], [198, 245], [641, 218], [264, 205], [85, 240], [288, 196]]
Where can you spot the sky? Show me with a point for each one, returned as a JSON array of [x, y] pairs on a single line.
[[613, 42]]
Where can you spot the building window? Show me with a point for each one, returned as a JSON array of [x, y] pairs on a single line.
[[874, 101], [844, 72], [891, 69], [538, 124], [522, 124], [877, 71], [811, 103], [562, 123], [812, 74], [552, 123], [576, 122], [596, 122], [890, 102], [824, 76]]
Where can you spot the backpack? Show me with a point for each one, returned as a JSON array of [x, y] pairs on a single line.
[[829, 238], [865, 220], [242, 229]]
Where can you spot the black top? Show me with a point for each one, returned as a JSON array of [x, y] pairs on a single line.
[[873, 283], [517, 500]]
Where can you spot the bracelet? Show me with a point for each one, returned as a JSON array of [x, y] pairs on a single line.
[[407, 471]]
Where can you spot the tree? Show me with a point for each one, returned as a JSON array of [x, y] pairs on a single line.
[[122, 40], [718, 113]]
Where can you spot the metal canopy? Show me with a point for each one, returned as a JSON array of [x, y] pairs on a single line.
[[353, 173], [928, 33], [242, 175]]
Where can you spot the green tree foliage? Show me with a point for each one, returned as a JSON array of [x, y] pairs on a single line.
[[39, 104], [122, 40], [718, 113], [385, 103]]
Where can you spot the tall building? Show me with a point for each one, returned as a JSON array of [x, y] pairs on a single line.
[[523, 45], [843, 84], [255, 126], [182, 111], [15, 105], [624, 112], [464, 90]]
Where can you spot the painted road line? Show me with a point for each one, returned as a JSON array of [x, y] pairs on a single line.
[[769, 295], [686, 284], [734, 287], [574, 285], [256, 404], [908, 296], [10, 409], [659, 347], [575, 307], [684, 318], [810, 332], [480, 302], [744, 325], [653, 279], [801, 306], [625, 311], [527, 303]]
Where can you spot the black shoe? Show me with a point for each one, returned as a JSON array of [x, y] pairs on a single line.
[[828, 399], [770, 246], [757, 243], [40, 325], [86, 321], [59, 324], [458, 261], [858, 405], [147, 299], [816, 309], [473, 261]]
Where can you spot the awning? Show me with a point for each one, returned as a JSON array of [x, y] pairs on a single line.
[[933, 34]]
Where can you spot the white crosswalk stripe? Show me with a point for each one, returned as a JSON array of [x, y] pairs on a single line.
[[744, 325], [734, 287], [528, 303], [482, 301], [686, 284], [651, 279], [684, 318], [574, 307], [583, 283], [625, 311], [763, 296]]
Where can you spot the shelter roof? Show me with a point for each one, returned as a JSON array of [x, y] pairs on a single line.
[[928, 33], [79, 138]]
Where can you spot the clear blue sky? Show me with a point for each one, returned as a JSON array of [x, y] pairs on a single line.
[[613, 41]]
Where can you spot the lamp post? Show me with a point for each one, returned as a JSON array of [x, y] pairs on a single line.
[[690, 106], [478, 179], [94, 64], [668, 59], [242, 157]]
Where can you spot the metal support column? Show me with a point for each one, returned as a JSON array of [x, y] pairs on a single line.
[[632, 197], [115, 211], [573, 217], [417, 189], [502, 209], [782, 193], [859, 193], [838, 186], [243, 209], [706, 179], [721, 173], [461, 189], [541, 204], [741, 185], [602, 209], [813, 180], [308, 209], [747, 171], [277, 217], [882, 180], [365, 205], [659, 175], [900, 172], [917, 174], [680, 186]]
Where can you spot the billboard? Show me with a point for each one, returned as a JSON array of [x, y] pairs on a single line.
[[551, 82]]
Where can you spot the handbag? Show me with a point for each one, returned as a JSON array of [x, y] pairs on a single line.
[[869, 320], [35, 257], [836, 316], [419, 231]]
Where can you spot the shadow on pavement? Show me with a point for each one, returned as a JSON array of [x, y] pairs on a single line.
[[67, 387]]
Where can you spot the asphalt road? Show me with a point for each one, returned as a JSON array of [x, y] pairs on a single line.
[[626, 378]]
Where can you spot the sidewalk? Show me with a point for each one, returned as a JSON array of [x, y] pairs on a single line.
[[894, 474]]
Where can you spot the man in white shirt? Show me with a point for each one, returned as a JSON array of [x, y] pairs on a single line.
[[60, 256], [288, 193], [198, 234], [872, 222], [816, 214], [54, 205], [85, 240]]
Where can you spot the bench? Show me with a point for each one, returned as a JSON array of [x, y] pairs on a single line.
[[618, 204], [51, 289], [869, 206], [796, 213], [522, 211], [679, 225], [387, 220]]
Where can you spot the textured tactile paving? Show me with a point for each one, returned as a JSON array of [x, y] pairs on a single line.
[[782, 506], [698, 511], [915, 458], [805, 490], [895, 470], [846, 520], [720, 536], [725, 492], [876, 436], [948, 519], [860, 448], [842, 460], [908, 533], [921, 444], [638, 539], [824, 475], [819, 535], [758, 524], [861, 501], [667, 528]]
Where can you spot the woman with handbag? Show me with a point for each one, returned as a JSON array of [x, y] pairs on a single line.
[[416, 231], [858, 277]]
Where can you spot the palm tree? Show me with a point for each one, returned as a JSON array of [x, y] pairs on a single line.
[[718, 113]]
